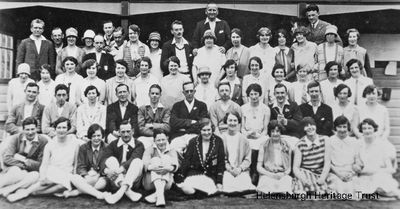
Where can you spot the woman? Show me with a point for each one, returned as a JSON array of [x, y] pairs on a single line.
[[204, 162], [71, 79], [154, 42], [377, 163], [208, 56], [333, 70], [274, 162], [304, 51], [160, 162], [354, 51], [90, 67], [344, 150], [342, 106], [377, 112], [264, 50], [230, 72], [285, 55], [88, 39], [298, 91], [121, 67], [237, 156], [255, 76], [357, 82], [279, 75], [90, 113], [134, 50], [58, 164], [239, 53], [71, 50], [311, 160], [16, 86], [46, 86]]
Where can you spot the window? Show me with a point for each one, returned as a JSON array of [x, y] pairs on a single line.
[[6, 56]]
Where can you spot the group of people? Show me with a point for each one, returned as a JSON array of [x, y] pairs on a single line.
[[211, 115]]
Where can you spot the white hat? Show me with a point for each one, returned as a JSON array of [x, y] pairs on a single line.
[[331, 29], [71, 32], [88, 34], [24, 68]]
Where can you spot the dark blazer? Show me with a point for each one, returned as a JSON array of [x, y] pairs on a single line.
[[222, 32], [112, 150], [323, 118], [16, 116], [27, 53], [237, 94], [159, 119], [293, 116], [194, 164], [181, 120], [168, 50], [106, 67], [85, 158], [34, 157], [114, 117]]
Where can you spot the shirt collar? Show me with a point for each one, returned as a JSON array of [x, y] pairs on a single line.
[[131, 143], [41, 38], [189, 104], [318, 105], [159, 105], [121, 105], [309, 143], [36, 139], [183, 41], [275, 104], [167, 149], [315, 24], [208, 20]]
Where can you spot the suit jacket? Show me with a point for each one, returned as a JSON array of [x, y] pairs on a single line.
[[168, 50], [16, 116], [114, 117], [85, 158], [50, 115], [27, 53], [317, 34], [323, 118], [222, 32], [212, 166], [112, 150], [34, 157], [181, 119], [293, 116], [160, 119], [106, 67]]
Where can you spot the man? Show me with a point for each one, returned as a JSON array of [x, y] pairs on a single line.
[[317, 27], [143, 82], [320, 112], [185, 117], [286, 112], [36, 50], [178, 47], [29, 108], [106, 67], [152, 116], [108, 28], [61, 108], [205, 90], [22, 158], [220, 108], [57, 36], [117, 48], [119, 111], [122, 164], [219, 27]]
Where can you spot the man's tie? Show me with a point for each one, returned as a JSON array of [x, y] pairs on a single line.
[[95, 156]]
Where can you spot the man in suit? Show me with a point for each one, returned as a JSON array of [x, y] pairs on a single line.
[[119, 111], [36, 50], [219, 27], [57, 36], [106, 63], [178, 47], [320, 112], [30, 108], [152, 116], [185, 117], [22, 158], [286, 112], [317, 27], [122, 164]]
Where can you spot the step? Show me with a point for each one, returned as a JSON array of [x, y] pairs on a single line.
[[392, 103], [394, 121], [388, 83]]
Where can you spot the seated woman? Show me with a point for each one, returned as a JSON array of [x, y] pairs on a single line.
[[237, 156], [344, 150], [311, 160], [204, 162], [159, 162], [274, 162], [377, 163], [58, 164]]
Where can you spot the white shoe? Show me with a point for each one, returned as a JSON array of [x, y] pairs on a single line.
[[152, 198], [134, 196], [20, 194]]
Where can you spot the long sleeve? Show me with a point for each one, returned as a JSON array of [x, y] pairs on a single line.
[[137, 153], [9, 152], [367, 66], [247, 154], [220, 163], [52, 55], [80, 123], [59, 69], [21, 51], [11, 126], [46, 120], [227, 32], [197, 36], [143, 130], [82, 167], [176, 122], [164, 125], [72, 117], [165, 54]]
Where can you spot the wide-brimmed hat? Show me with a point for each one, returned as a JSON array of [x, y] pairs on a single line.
[[24, 68], [331, 29]]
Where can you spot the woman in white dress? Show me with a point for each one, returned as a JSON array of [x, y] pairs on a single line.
[[333, 70], [237, 156], [264, 50], [278, 74], [155, 54], [343, 106], [46, 86], [274, 162], [377, 163], [90, 67]]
